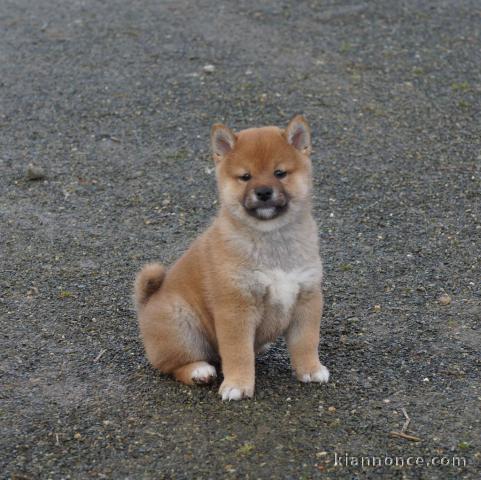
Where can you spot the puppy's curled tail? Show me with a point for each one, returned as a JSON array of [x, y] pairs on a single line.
[[147, 282]]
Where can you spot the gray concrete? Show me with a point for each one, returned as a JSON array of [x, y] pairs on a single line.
[[111, 101]]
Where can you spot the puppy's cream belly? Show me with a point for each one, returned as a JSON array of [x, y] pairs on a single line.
[[271, 327]]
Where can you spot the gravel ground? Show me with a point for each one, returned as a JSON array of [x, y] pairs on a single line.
[[111, 103]]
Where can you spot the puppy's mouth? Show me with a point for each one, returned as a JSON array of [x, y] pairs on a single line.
[[267, 210]]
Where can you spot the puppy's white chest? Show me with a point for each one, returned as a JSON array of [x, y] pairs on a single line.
[[282, 288]]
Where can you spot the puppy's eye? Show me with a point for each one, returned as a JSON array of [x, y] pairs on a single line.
[[246, 177], [280, 173]]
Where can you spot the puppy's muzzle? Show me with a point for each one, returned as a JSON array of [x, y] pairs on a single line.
[[265, 202]]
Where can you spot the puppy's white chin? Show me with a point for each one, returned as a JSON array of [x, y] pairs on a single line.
[[266, 213], [256, 222]]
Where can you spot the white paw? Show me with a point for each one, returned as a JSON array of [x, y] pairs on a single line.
[[319, 376], [204, 374], [234, 392]]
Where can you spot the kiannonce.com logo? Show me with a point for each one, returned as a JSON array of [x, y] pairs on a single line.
[[346, 460]]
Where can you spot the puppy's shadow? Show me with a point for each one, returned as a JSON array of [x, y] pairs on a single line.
[[274, 361]]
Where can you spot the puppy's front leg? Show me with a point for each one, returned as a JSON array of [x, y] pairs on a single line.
[[302, 338], [235, 329]]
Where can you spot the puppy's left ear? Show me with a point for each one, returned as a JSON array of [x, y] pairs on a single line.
[[298, 134], [223, 140]]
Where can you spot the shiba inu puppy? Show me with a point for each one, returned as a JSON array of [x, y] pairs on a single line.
[[253, 275]]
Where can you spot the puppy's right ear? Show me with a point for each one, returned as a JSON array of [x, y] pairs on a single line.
[[298, 134], [223, 140]]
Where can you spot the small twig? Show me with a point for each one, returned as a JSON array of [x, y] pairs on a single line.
[[407, 422], [97, 358], [412, 438], [107, 136], [402, 433]]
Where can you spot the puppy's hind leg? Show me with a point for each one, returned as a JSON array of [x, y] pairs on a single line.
[[175, 342]]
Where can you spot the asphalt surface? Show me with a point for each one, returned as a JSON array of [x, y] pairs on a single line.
[[112, 103]]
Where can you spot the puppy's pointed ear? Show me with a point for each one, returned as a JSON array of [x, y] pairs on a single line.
[[298, 134], [223, 140]]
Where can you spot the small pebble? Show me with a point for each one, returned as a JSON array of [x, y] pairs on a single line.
[[209, 68], [34, 172], [444, 299], [32, 292], [377, 308], [331, 409]]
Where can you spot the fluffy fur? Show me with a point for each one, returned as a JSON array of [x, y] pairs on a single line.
[[253, 275]]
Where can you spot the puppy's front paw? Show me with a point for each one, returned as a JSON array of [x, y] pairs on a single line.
[[321, 375], [235, 391]]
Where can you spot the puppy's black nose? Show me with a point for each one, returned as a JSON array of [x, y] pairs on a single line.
[[263, 193]]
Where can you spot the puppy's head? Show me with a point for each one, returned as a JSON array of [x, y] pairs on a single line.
[[264, 174]]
